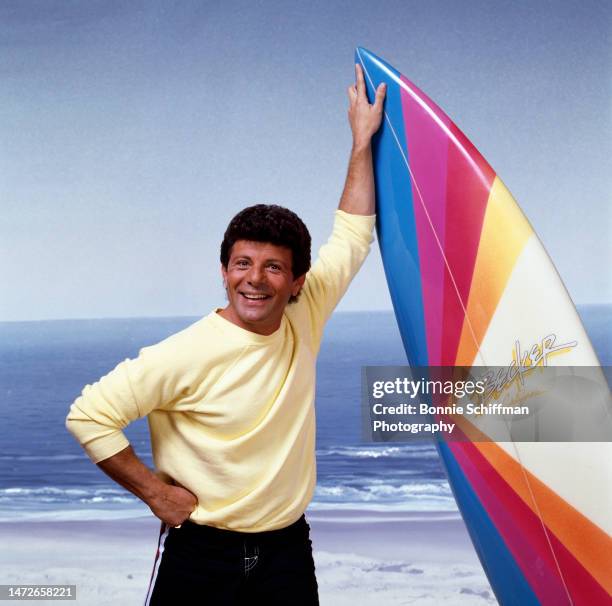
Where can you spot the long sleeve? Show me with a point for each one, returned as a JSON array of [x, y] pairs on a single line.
[[339, 260], [131, 390], [98, 415]]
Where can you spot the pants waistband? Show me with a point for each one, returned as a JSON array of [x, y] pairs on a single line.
[[213, 533]]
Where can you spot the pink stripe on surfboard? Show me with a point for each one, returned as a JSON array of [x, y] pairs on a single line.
[[456, 213], [584, 588], [468, 184], [427, 154]]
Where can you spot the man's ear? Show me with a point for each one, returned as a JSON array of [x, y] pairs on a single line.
[[297, 285], [224, 275]]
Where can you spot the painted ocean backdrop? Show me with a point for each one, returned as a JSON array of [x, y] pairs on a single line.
[[44, 474]]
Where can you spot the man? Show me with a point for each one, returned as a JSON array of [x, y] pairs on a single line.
[[230, 404]]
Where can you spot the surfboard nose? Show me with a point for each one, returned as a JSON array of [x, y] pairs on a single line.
[[376, 69], [363, 56], [359, 53]]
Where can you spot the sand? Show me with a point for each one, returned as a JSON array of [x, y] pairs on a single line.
[[361, 558]]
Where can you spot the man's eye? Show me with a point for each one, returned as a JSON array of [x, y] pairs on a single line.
[[241, 263], [274, 267]]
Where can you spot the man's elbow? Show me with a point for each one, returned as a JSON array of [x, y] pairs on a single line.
[[75, 421], [71, 424], [98, 440], [80, 424]]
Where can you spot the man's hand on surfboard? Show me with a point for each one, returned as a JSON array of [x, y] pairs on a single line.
[[358, 196], [364, 118]]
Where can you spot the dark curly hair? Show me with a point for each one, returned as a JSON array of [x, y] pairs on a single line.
[[274, 224]]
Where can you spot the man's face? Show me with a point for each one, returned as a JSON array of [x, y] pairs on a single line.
[[259, 284]]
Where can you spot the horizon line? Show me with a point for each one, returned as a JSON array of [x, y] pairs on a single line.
[[188, 316]]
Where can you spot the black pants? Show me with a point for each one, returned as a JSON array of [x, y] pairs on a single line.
[[203, 565]]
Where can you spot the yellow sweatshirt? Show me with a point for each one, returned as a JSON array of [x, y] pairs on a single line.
[[231, 412]]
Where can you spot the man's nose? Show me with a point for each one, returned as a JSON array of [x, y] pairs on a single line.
[[257, 274]]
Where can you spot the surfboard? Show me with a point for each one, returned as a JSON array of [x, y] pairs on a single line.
[[472, 285]]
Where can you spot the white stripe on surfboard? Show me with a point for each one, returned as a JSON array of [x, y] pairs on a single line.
[[587, 488]]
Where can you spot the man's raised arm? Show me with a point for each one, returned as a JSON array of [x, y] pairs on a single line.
[[348, 246], [358, 196]]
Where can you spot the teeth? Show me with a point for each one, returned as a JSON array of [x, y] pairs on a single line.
[[255, 296]]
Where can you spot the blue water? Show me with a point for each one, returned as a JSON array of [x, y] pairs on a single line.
[[44, 365]]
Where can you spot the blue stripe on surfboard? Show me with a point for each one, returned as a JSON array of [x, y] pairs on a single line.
[[395, 225], [506, 578]]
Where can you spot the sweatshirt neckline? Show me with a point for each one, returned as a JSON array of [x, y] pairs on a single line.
[[244, 334]]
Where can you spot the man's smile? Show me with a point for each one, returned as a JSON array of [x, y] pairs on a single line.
[[255, 296]]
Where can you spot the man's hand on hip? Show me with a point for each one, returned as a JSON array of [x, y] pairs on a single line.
[[173, 504]]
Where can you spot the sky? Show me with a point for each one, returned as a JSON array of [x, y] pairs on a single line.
[[131, 133]]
